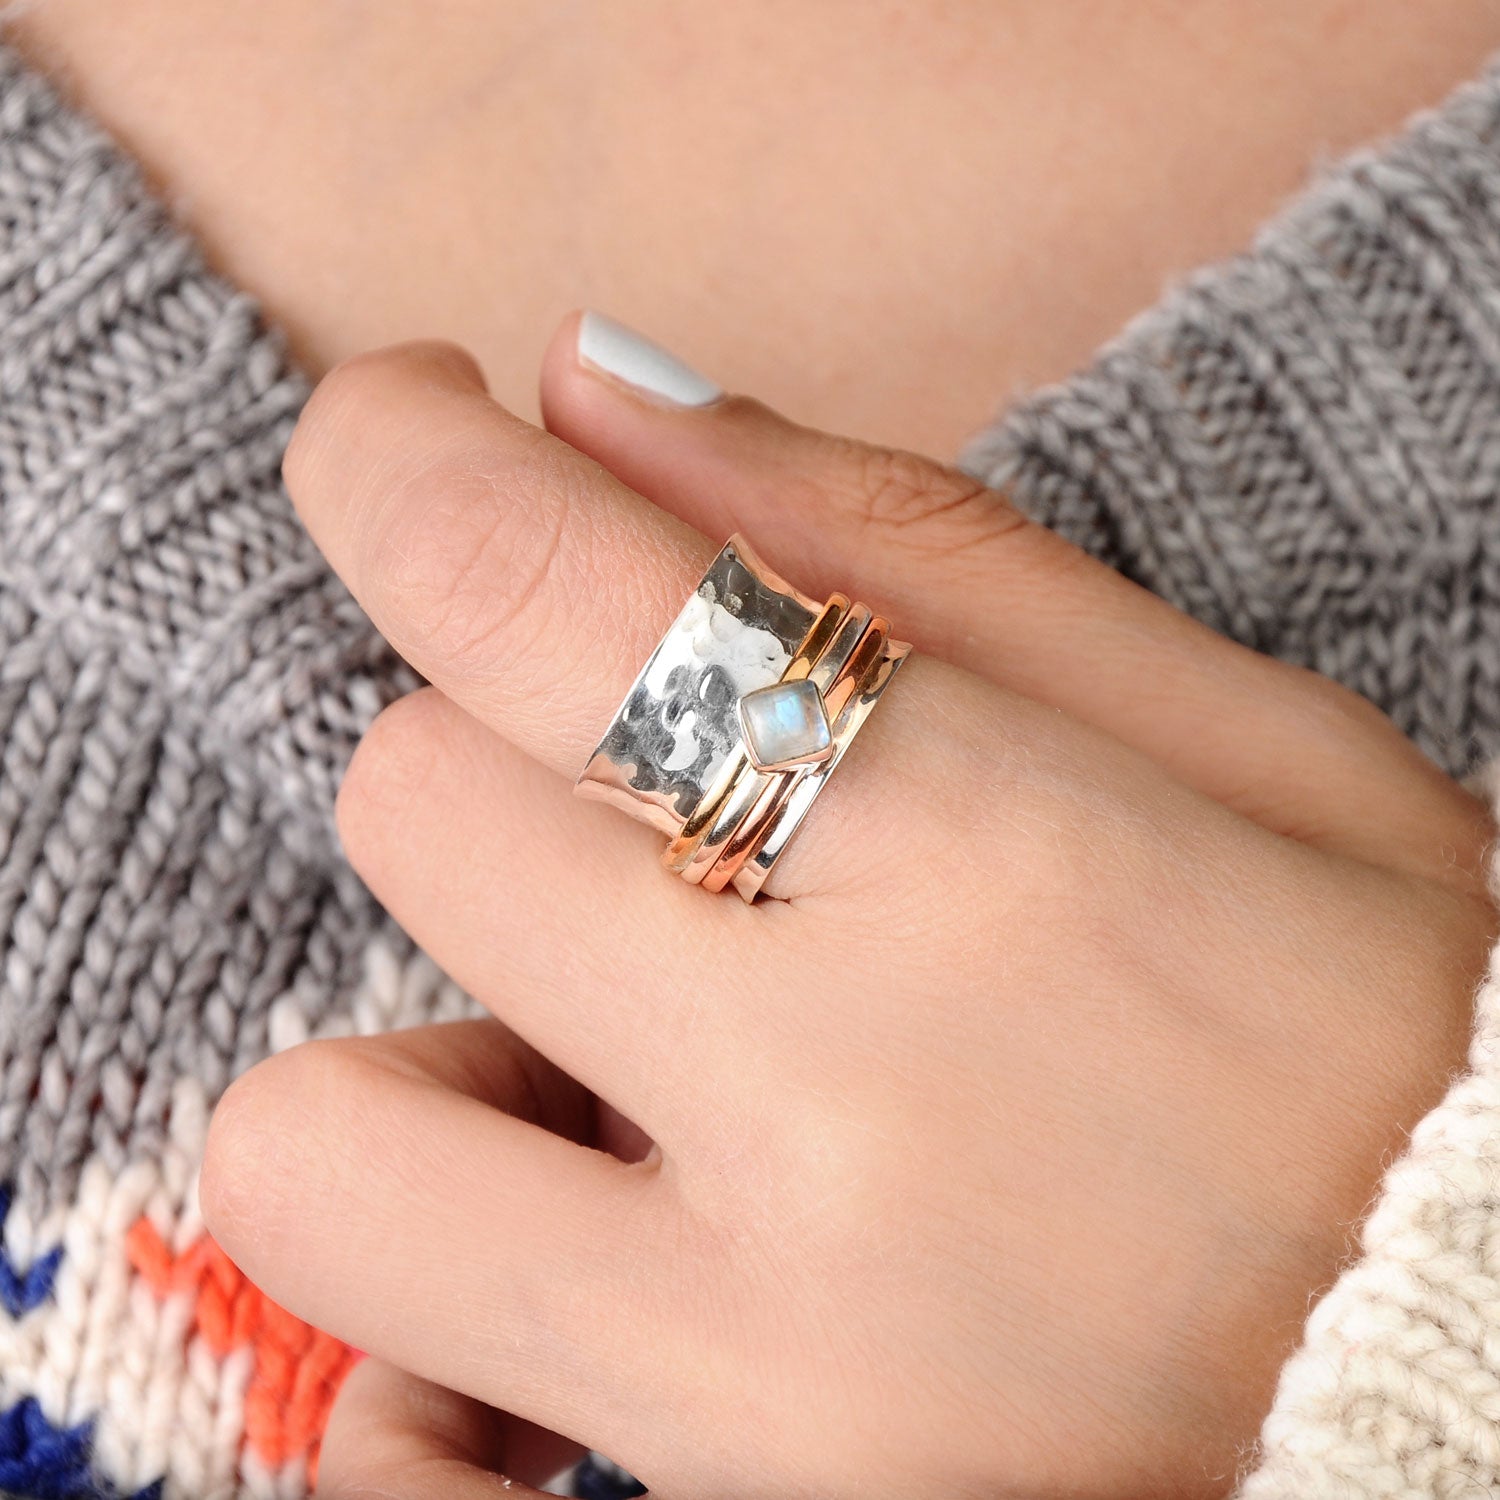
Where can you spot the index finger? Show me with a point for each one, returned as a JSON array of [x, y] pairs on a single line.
[[529, 584], [514, 573]]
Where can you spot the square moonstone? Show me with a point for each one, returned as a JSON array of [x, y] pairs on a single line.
[[785, 724]]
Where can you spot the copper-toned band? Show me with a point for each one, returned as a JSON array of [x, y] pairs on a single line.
[[827, 644], [755, 827], [752, 874], [750, 784], [738, 717]]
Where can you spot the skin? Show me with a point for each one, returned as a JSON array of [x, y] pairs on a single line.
[[1001, 1151], [883, 217], [1100, 1001]]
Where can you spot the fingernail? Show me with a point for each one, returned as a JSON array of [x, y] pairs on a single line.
[[628, 356]]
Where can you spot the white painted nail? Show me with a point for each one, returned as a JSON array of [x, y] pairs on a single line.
[[628, 356]]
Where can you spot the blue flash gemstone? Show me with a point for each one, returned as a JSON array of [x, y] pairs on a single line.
[[785, 723]]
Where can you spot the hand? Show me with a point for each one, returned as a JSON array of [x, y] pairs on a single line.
[[1000, 1155]]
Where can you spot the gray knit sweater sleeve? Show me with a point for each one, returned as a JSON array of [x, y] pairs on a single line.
[[182, 682], [1302, 448]]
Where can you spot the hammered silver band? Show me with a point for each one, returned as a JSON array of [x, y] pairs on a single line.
[[750, 700]]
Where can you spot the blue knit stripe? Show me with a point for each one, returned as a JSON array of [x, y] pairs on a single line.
[[20, 1291], [39, 1461]]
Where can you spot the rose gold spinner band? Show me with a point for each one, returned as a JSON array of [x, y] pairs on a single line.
[[758, 840], [739, 717], [727, 801]]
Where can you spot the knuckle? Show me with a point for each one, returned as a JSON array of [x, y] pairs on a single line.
[[463, 552], [451, 514], [391, 763], [897, 490]]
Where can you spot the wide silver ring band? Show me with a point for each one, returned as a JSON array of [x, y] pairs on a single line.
[[678, 734]]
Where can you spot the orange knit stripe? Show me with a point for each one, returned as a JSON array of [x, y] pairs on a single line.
[[298, 1369]]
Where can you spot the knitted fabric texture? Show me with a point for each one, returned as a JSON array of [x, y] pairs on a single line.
[[1302, 448], [181, 684]]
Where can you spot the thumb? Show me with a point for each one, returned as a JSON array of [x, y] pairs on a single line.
[[964, 576]]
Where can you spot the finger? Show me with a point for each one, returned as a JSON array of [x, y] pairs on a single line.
[[511, 571], [489, 862], [487, 1061], [491, 1062], [972, 581], [432, 1230], [402, 1437], [529, 585]]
